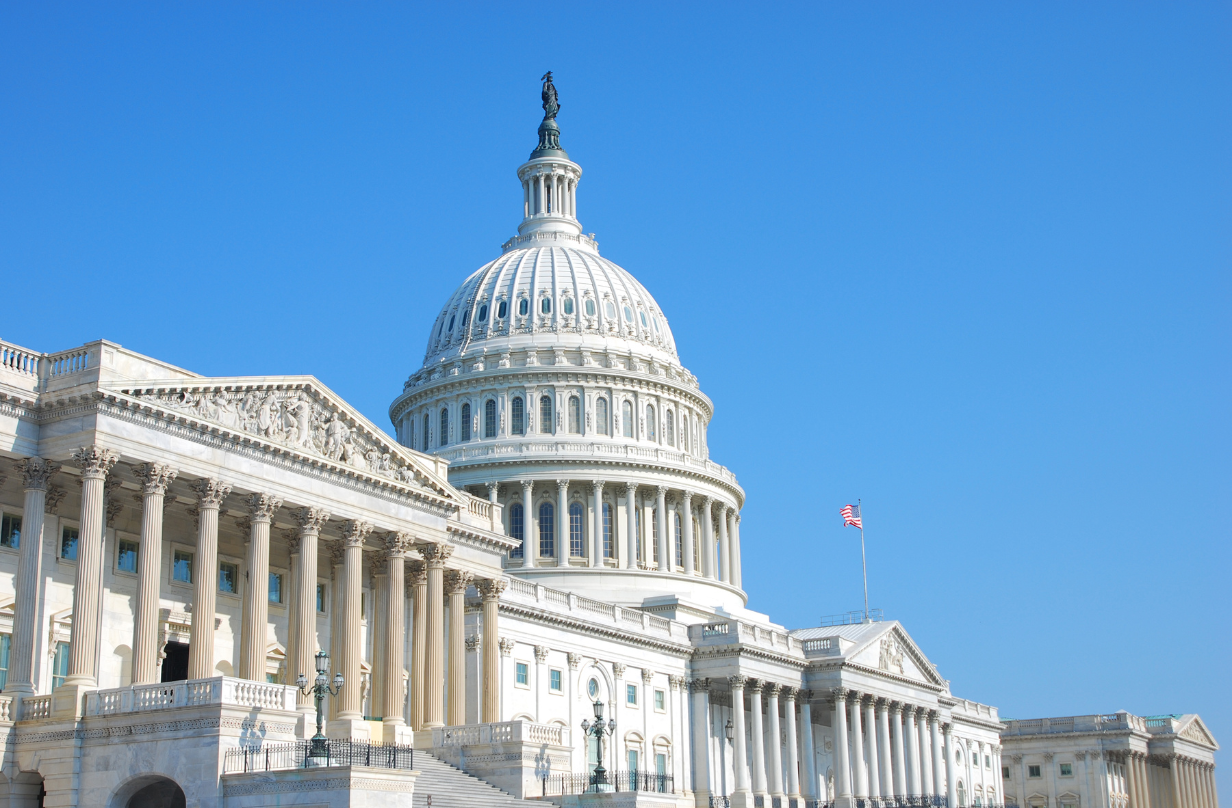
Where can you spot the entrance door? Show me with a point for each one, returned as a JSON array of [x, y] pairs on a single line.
[[175, 665]]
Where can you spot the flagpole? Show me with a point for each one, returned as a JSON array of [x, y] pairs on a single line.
[[863, 560]]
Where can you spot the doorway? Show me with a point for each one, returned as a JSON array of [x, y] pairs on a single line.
[[175, 662]]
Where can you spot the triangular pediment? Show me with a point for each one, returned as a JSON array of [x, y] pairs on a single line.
[[297, 415], [1193, 729], [892, 651]]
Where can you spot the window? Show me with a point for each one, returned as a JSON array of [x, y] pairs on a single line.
[[6, 644], [489, 418], [517, 529], [545, 415], [443, 438], [452, 317], [523, 307], [628, 314], [466, 319], [126, 556], [321, 601], [592, 689], [987, 761], [670, 426], [679, 540], [1033, 771], [650, 422], [684, 432], [637, 531], [576, 548], [654, 534], [59, 665], [69, 539], [575, 415], [502, 309], [440, 330], [523, 674], [545, 305], [609, 310], [590, 308], [660, 700], [10, 531], [518, 418], [631, 695], [632, 755], [661, 771], [228, 577], [275, 587], [554, 680], [601, 416], [655, 320], [272, 678], [427, 438], [182, 566], [1067, 770], [568, 305], [626, 415], [643, 316], [607, 531], [483, 313], [547, 531], [466, 422], [1005, 772], [962, 795]]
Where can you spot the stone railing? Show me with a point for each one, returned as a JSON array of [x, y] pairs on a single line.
[[7, 713], [1074, 723], [823, 646], [501, 732], [35, 708], [724, 632], [221, 690], [634, 620], [488, 513]]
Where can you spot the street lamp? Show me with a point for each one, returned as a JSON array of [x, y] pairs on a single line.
[[598, 730], [727, 730], [318, 689]]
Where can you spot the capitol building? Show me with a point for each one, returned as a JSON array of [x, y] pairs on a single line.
[[240, 592]]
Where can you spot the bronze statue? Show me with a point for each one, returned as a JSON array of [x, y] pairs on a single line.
[[550, 105]]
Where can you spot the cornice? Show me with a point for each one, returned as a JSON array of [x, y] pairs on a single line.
[[547, 618], [740, 650], [493, 542], [838, 664]]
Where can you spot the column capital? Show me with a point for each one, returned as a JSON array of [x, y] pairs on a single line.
[[699, 685], [527, 485], [155, 478], [457, 581], [647, 675], [378, 563], [618, 668], [506, 646], [1048, 757], [397, 543], [881, 703], [661, 490], [789, 692], [210, 492], [493, 487], [630, 488], [354, 532], [94, 461], [416, 573], [1016, 758], [311, 520], [35, 472], [435, 553], [675, 681], [839, 693], [598, 484], [491, 588], [721, 507], [292, 538], [947, 729], [736, 682], [574, 660], [686, 497], [337, 550], [934, 717], [472, 643], [772, 690], [754, 686], [708, 503], [541, 653], [562, 485], [896, 707], [261, 507]]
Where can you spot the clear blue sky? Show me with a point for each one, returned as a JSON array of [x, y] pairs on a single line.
[[967, 262]]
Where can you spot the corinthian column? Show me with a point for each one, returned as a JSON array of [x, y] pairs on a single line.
[[860, 774], [261, 509], [759, 740], [883, 748], [843, 786], [456, 584], [741, 797], [900, 761], [665, 557], [397, 545], [708, 538], [870, 735], [725, 562], [776, 744], [793, 749], [155, 479], [210, 494], [951, 787], [596, 532], [737, 575], [686, 526], [530, 541], [700, 688], [631, 526], [490, 590], [350, 721], [303, 639], [35, 472], [938, 771], [418, 573], [912, 760], [926, 769], [564, 548], [435, 555]]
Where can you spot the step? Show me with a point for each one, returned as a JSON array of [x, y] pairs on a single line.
[[450, 787]]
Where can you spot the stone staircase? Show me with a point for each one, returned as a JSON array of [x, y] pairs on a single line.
[[451, 787]]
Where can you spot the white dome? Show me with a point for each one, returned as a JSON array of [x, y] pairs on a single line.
[[551, 298]]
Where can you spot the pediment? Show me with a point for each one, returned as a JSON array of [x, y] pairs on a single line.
[[296, 414], [894, 652], [1195, 730]]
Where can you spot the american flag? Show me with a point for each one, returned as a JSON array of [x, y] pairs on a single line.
[[851, 516]]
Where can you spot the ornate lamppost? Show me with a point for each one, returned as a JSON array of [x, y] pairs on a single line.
[[319, 748], [598, 730]]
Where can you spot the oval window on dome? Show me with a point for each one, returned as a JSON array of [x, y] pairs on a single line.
[[609, 310], [452, 317], [568, 305], [644, 323], [523, 307], [545, 305], [628, 314], [590, 308], [483, 313], [592, 688], [502, 310]]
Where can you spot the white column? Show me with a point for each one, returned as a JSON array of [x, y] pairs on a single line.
[[740, 762], [631, 537], [775, 763], [261, 508], [490, 591], [737, 575], [951, 786], [725, 563], [758, 738], [562, 523], [886, 759], [926, 765], [596, 533], [350, 720], [665, 545], [870, 740], [397, 545], [859, 773], [793, 753], [912, 760], [435, 556], [35, 472], [377, 571], [700, 689], [806, 731], [708, 538], [418, 575], [686, 527], [530, 542], [938, 773], [303, 628], [526, 194], [841, 753], [456, 584], [210, 494], [900, 767], [540, 206]]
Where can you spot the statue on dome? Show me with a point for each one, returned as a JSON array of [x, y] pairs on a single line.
[[550, 105]]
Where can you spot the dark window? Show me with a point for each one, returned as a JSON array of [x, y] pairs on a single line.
[[679, 540], [10, 531], [545, 415], [545, 305], [523, 307], [568, 305], [275, 588], [126, 556], [575, 415], [69, 539], [175, 664], [483, 313], [443, 438], [517, 529], [590, 308], [608, 549], [489, 418], [601, 425], [575, 530], [321, 599], [547, 531], [466, 319], [182, 567], [518, 416], [427, 438], [452, 317], [502, 309], [228, 577], [466, 422]]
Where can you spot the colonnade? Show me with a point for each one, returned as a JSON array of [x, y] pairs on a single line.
[[430, 585], [714, 554], [549, 193], [1192, 782], [894, 750]]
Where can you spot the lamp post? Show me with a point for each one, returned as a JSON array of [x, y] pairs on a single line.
[[598, 730], [318, 689], [729, 733]]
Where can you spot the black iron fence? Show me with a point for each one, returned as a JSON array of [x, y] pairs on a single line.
[[559, 785], [307, 755], [904, 801]]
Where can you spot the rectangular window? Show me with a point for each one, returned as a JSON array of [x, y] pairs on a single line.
[[272, 678], [1033, 771], [126, 556], [631, 695], [660, 700], [554, 681], [59, 665], [632, 760], [69, 539], [228, 577], [182, 567], [987, 761], [523, 674], [1067, 770], [321, 598], [1005, 772], [6, 644], [275, 588], [10, 531]]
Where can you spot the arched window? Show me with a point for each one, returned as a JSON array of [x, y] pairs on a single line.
[[601, 416], [547, 531], [576, 547], [608, 549], [466, 422], [517, 528], [670, 429], [679, 542], [489, 418], [684, 432], [654, 535], [518, 416], [575, 415], [626, 415], [545, 415], [650, 422], [962, 795], [427, 436], [637, 531], [443, 438], [697, 546]]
